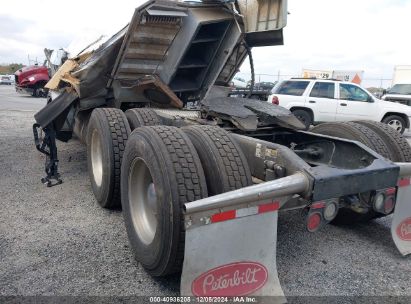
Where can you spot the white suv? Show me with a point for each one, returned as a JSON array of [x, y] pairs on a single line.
[[314, 101], [5, 79]]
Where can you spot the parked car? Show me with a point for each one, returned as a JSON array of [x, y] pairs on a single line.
[[400, 93], [401, 89], [314, 101], [4, 79], [263, 85], [238, 82], [261, 91]]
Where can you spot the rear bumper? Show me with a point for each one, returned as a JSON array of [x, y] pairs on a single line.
[[332, 182]]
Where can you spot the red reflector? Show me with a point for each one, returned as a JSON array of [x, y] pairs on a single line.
[[389, 205], [318, 205], [223, 216], [390, 191], [269, 207], [275, 100], [313, 221], [404, 182]]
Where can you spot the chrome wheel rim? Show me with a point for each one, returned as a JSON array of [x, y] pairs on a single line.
[[143, 201], [96, 158], [395, 124]]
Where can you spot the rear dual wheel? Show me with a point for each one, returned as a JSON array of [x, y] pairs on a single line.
[[399, 147], [164, 168], [161, 171], [224, 163], [304, 116], [107, 134], [357, 132], [139, 117]]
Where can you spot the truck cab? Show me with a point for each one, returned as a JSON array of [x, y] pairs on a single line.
[[31, 80], [400, 93]]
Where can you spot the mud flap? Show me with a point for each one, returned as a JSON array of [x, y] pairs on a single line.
[[230, 245], [401, 222], [233, 253]]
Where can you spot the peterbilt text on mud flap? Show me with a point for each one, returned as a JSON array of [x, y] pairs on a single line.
[[201, 176]]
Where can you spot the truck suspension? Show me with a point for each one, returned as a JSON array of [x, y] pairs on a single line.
[[48, 147]]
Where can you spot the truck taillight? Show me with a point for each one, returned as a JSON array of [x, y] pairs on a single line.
[[384, 201], [313, 221], [321, 213], [275, 100]]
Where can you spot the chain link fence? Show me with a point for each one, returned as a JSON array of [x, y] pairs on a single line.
[[375, 83]]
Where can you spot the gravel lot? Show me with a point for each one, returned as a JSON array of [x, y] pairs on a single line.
[[57, 241]]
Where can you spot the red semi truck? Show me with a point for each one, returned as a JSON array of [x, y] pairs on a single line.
[[32, 80]]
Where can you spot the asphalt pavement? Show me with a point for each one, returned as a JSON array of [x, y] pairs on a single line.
[[11, 100], [58, 242]]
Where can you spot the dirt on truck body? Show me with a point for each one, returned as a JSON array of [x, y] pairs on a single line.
[[201, 176]]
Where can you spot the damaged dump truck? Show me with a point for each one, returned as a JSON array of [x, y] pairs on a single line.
[[200, 176]]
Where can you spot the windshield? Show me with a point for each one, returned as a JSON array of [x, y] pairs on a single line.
[[403, 89]]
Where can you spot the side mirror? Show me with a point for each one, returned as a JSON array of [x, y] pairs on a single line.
[[384, 92], [370, 99]]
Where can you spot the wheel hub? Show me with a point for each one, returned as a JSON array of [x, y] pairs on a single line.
[[143, 201], [96, 158], [395, 124]]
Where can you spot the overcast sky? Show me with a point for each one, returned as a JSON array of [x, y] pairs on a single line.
[[368, 35]]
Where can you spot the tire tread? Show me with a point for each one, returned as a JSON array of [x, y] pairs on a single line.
[[119, 130], [397, 142], [236, 171], [190, 186], [357, 132], [139, 117]]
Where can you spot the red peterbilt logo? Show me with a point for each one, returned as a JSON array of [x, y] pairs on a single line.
[[235, 279], [404, 230]]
